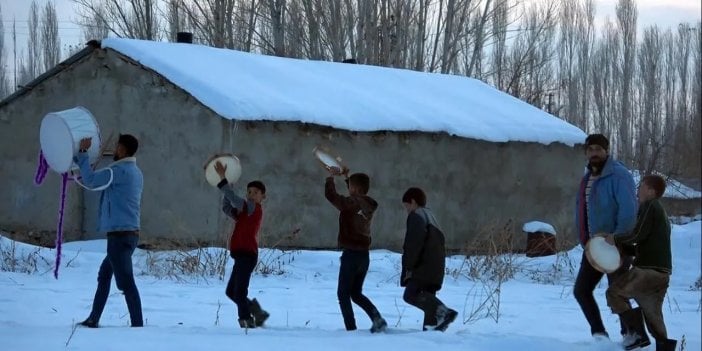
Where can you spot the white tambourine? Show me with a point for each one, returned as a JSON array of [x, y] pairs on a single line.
[[603, 256], [326, 159], [232, 173]]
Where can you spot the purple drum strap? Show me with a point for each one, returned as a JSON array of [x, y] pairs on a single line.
[[59, 231], [42, 168]]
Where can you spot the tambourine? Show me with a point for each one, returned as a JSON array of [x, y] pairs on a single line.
[[232, 173], [326, 159], [603, 256]]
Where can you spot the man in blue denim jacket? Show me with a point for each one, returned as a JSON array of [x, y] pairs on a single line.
[[606, 203], [120, 206]]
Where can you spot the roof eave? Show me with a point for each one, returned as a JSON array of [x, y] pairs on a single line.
[[24, 89]]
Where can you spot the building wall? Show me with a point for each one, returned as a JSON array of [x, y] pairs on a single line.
[[473, 186]]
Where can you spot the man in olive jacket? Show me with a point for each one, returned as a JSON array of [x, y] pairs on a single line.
[[647, 281], [423, 262]]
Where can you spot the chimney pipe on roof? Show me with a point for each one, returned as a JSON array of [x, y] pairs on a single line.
[[184, 37]]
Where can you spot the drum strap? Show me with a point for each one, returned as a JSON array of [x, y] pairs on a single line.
[[100, 188]]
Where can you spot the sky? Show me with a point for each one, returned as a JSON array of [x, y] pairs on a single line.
[[665, 13]]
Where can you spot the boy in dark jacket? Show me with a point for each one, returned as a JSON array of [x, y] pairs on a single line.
[[355, 215], [243, 246], [423, 262], [647, 281]]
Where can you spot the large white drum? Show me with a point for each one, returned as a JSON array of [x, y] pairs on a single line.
[[60, 134], [232, 173], [603, 256]]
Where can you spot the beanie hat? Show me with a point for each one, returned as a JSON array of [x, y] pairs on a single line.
[[597, 139]]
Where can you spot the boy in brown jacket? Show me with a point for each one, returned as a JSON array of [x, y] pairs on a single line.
[[355, 215], [647, 281]]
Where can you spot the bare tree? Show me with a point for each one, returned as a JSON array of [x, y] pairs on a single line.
[[276, 25], [50, 42], [4, 74], [644, 94], [530, 55], [500, 21], [604, 73], [221, 23], [576, 39], [627, 14], [24, 75], [137, 19], [586, 35], [418, 50], [94, 25], [650, 140], [694, 165], [33, 43], [176, 19], [569, 23]]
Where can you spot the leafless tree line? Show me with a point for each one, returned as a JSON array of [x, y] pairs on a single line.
[[640, 87], [43, 47]]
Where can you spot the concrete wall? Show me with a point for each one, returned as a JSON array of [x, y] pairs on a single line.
[[472, 185]]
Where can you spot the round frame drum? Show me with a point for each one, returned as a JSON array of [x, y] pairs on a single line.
[[60, 134], [603, 256], [232, 173], [326, 159]]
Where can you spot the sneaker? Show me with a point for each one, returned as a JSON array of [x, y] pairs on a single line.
[[379, 325], [89, 323], [600, 335], [444, 317], [247, 323]]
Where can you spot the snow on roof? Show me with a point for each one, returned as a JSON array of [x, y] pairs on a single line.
[[246, 86], [536, 226], [674, 189]]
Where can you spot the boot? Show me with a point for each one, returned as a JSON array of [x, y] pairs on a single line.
[[666, 345], [89, 323], [637, 336], [260, 316], [444, 317], [429, 320], [379, 325], [247, 323]]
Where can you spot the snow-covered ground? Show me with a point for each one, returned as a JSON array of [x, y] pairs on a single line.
[[537, 311]]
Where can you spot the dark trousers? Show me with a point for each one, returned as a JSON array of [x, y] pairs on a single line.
[[585, 284], [352, 273], [424, 298], [118, 262], [238, 285]]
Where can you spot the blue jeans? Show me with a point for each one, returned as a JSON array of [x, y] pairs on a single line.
[[352, 274], [238, 285], [118, 262]]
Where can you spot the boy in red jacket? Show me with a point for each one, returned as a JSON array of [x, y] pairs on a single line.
[[243, 247]]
